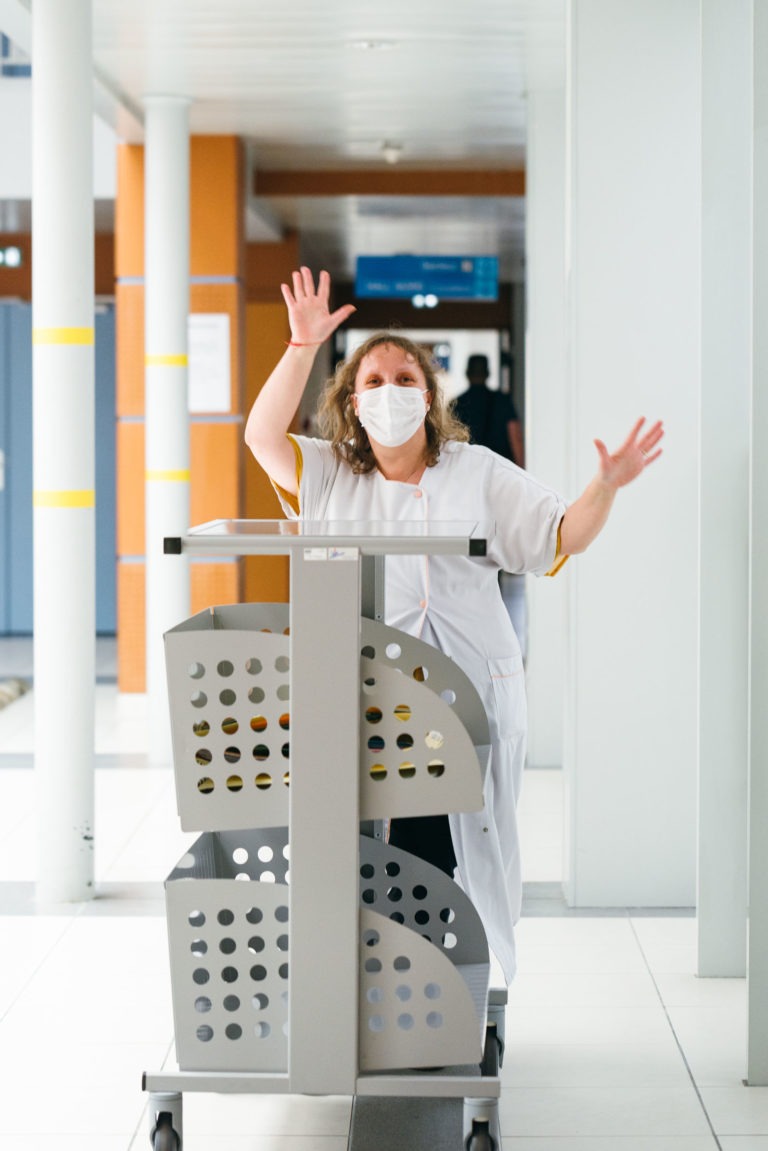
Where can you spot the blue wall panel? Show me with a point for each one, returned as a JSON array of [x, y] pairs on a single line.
[[4, 402], [16, 545], [19, 469], [106, 509]]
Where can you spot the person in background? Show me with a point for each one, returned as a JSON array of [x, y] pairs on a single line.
[[490, 415], [493, 421], [394, 452]]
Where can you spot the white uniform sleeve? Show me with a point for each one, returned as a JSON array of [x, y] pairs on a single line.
[[527, 517], [316, 469]]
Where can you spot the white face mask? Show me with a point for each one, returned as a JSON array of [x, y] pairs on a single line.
[[391, 414]]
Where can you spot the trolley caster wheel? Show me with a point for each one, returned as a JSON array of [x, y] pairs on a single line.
[[480, 1138], [492, 1051], [164, 1138]]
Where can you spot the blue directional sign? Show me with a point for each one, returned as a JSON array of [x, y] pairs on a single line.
[[446, 277]]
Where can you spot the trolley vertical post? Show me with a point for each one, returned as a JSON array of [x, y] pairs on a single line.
[[324, 820]]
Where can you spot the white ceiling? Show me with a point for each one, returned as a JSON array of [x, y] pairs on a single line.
[[324, 84]]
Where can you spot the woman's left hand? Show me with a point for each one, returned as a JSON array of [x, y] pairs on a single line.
[[634, 455]]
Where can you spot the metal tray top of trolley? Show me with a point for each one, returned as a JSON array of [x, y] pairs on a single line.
[[334, 1027], [281, 537]]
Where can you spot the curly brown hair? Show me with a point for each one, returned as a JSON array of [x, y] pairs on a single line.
[[339, 424]]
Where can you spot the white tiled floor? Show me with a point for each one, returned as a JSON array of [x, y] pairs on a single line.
[[612, 1043]]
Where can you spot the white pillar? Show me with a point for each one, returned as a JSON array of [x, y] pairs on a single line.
[[633, 248], [166, 270], [726, 303], [757, 1070], [546, 402], [63, 418]]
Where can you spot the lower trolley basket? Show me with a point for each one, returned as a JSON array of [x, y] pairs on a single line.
[[427, 1019], [424, 967]]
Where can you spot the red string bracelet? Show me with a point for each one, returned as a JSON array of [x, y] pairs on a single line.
[[296, 344]]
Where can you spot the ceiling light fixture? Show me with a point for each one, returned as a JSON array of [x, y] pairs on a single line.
[[372, 45], [11, 257], [391, 152]]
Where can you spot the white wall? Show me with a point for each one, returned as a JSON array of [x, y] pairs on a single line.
[[546, 403], [633, 246], [723, 577], [757, 965]]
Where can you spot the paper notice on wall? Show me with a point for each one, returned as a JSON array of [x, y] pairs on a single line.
[[209, 384]]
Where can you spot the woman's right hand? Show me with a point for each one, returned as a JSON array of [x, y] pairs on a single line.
[[278, 400], [311, 321]]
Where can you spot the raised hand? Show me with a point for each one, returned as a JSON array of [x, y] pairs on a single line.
[[277, 402], [635, 454], [586, 516], [308, 312]]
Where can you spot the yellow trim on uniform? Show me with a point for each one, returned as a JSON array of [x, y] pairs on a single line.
[[181, 475], [299, 459], [289, 497], [560, 560], [85, 498], [62, 336], [169, 361]]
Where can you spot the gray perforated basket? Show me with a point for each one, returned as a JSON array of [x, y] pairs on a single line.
[[426, 664], [228, 672], [423, 958], [424, 966], [423, 730]]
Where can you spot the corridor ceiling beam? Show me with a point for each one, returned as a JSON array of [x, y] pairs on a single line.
[[380, 182]]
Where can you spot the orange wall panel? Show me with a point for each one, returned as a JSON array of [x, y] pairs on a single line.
[[130, 489], [266, 333], [131, 624], [217, 178], [217, 183], [213, 585], [129, 348], [266, 579], [267, 266], [129, 211], [266, 330], [216, 250], [205, 298], [215, 490]]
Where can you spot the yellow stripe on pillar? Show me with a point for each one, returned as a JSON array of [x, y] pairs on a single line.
[[179, 476], [166, 361], [84, 498], [62, 336]]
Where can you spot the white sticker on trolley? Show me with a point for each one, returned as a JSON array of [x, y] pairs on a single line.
[[331, 553]]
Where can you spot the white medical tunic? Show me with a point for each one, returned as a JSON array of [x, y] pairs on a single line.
[[454, 602]]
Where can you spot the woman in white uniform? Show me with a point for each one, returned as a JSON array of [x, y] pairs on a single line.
[[395, 453]]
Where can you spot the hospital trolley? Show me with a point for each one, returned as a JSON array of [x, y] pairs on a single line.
[[308, 955]]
